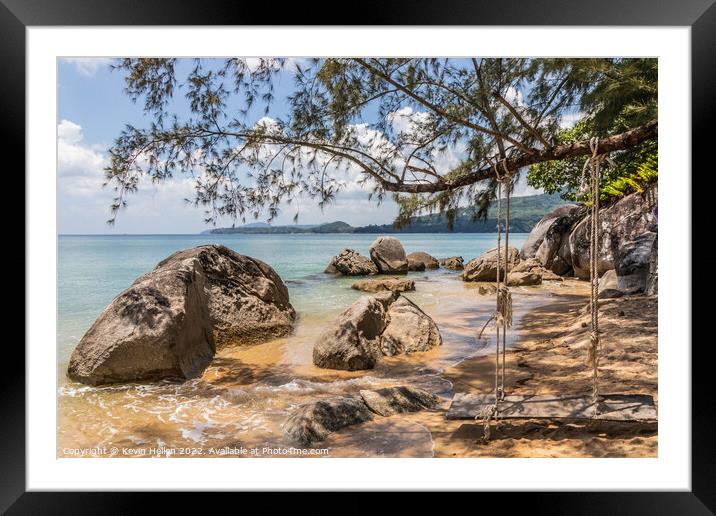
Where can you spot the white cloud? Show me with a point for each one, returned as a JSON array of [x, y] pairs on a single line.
[[88, 66], [79, 166]]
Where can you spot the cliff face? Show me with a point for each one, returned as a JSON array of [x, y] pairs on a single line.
[[560, 241]]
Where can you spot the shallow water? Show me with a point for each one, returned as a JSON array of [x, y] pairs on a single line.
[[241, 400]]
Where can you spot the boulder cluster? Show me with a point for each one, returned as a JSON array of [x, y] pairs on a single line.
[[628, 247], [387, 256], [385, 324], [170, 321]]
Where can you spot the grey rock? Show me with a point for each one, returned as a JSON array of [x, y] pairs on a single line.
[[546, 237], [248, 301], [352, 342], [528, 265], [314, 421], [484, 267], [169, 323], [634, 261], [414, 265], [160, 327], [608, 280], [389, 256], [455, 263], [351, 263], [384, 284], [383, 324], [396, 400], [619, 223], [409, 329], [427, 260], [521, 279]]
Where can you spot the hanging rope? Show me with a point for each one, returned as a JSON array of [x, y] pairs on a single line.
[[594, 163], [503, 302]]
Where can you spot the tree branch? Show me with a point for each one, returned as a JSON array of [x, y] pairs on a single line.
[[617, 142]]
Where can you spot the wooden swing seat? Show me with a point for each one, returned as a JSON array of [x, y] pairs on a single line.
[[612, 407]]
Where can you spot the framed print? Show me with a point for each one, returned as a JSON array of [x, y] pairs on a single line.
[[373, 257]]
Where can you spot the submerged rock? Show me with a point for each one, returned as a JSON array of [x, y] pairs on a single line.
[[409, 329], [395, 400], [389, 256], [314, 421], [455, 263], [351, 263], [484, 267], [487, 289], [428, 261], [384, 284], [160, 327]]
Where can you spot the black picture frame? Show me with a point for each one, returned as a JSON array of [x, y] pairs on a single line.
[[700, 15]]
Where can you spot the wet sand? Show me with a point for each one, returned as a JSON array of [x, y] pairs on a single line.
[[244, 396]]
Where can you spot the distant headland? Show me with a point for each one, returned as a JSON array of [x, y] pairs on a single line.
[[525, 212]]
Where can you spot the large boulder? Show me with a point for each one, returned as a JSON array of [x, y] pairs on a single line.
[[619, 223], [373, 326], [484, 267], [314, 421], [389, 256], [248, 301], [384, 285], [547, 236], [429, 262], [168, 323], [396, 400], [634, 261], [352, 342], [455, 263], [160, 327], [409, 329], [351, 263]]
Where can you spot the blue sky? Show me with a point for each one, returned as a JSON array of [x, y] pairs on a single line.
[[93, 109]]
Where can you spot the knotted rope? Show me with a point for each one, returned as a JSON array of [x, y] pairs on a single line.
[[594, 163], [503, 301]]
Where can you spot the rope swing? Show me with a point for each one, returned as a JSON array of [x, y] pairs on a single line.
[[594, 164], [503, 309]]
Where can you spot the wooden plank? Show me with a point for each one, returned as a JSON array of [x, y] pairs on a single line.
[[613, 407]]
